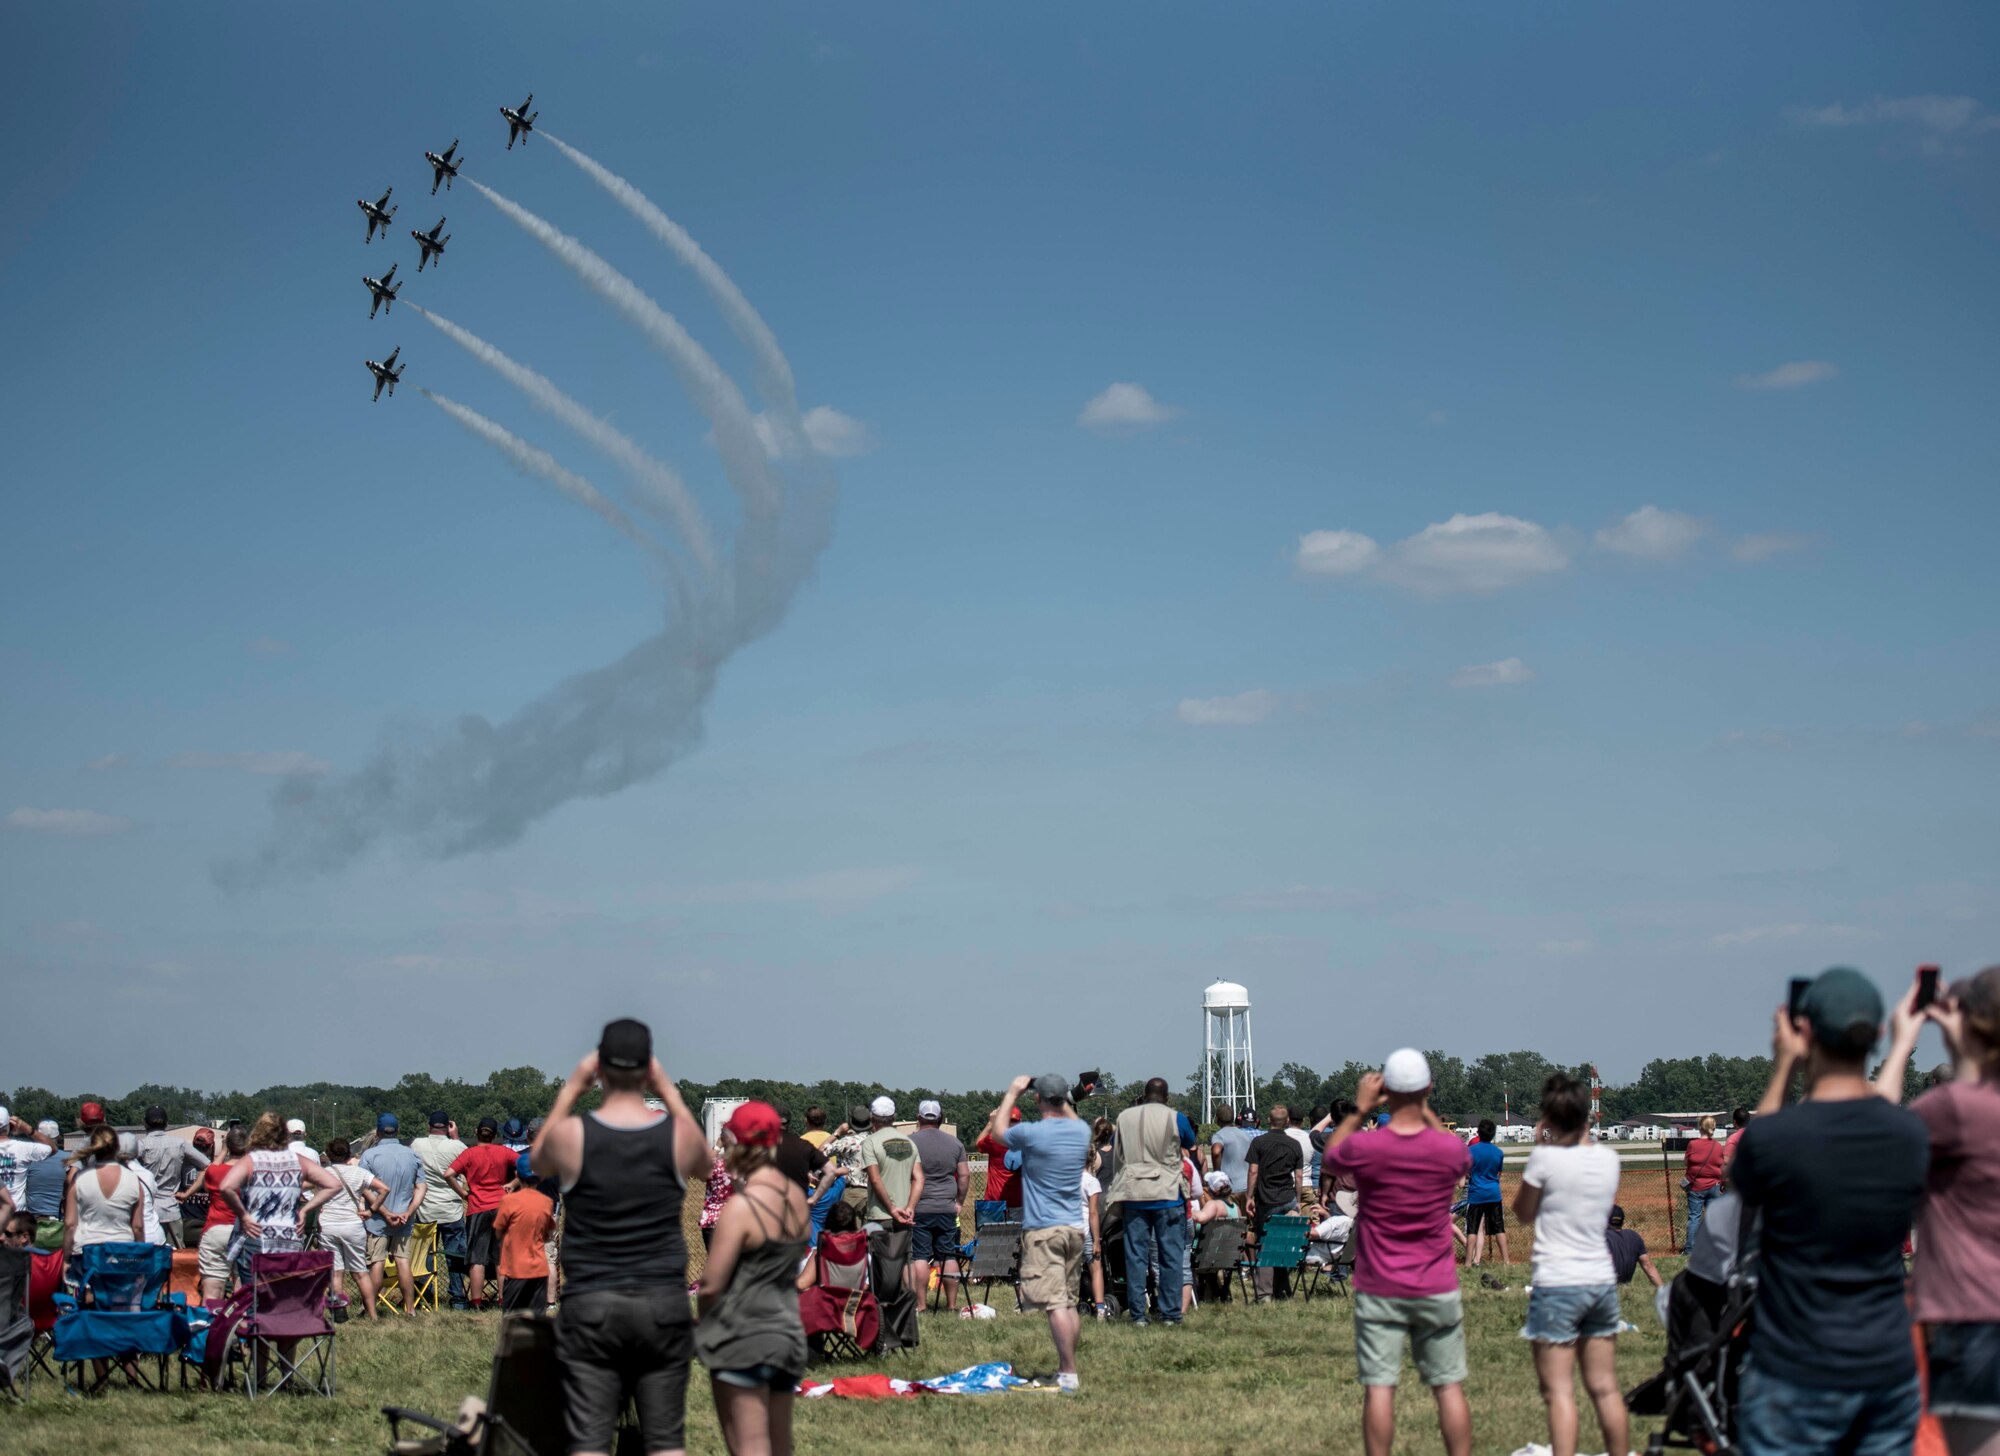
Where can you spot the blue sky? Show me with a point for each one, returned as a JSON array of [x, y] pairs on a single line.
[[1477, 525]]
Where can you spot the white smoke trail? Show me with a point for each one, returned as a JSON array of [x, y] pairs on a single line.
[[714, 393], [774, 372], [537, 462], [664, 486]]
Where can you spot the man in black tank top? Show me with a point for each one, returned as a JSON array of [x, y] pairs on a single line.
[[625, 1328]]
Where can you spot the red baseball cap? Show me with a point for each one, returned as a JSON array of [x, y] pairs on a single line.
[[756, 1125], [1015, 1115], [90, 1114]]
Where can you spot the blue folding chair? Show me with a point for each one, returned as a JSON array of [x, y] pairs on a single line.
[[119, 1315]]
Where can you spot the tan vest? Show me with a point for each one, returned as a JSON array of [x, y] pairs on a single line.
[[1148, 1154]]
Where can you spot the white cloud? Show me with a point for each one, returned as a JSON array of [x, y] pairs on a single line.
[[828, 432], [1482, 553], [1757, 547], [270, 763], [1125, 407], [1243, 709], [1791, 930], [1493, 674], [1336, 553], [827, 888], [1945, 115], [268, 647], [1795, 375], [108, 762], [1652, 534], [78, 822]]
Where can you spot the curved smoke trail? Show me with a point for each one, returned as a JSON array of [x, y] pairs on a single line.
[[714, 393], [532, 460], [663, 486]]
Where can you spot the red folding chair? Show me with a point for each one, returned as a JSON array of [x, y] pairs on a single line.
[[842, 1319], [45, 1278]]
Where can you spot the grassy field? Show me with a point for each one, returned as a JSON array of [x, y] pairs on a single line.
[[1235, 1379]]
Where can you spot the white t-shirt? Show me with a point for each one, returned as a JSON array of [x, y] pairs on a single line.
[[343, 1210], [297, 1145], [15, 1156], [1578, 1185], [1091, 1189], [1305, 1141], [149, 1189]]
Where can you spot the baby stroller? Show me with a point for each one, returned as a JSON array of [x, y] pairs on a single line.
[[1695, 1392]]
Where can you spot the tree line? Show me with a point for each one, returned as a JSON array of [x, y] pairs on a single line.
[[1488, 1086]]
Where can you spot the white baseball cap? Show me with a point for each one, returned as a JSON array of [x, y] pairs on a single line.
[[293, 1124], [6, 1119], [1406, 1071], [930, 1110], [1218, 1181], [882, 1107], [47, 1128]]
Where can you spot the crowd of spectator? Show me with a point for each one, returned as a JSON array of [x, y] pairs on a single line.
[[1856, 1215]]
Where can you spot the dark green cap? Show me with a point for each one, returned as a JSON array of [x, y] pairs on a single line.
[[1840, 1004]]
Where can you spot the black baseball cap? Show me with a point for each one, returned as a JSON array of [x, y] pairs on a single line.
[[626, 1045], [440, 1119], [487, 1124], [156, 1116], [1617, 1215]]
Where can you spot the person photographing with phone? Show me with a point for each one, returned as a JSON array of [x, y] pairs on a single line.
[[1957, 1279]]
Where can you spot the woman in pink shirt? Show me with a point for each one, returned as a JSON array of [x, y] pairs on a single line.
[[1956, 1288]]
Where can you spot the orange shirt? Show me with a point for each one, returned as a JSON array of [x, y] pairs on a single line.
[[525, 1222]]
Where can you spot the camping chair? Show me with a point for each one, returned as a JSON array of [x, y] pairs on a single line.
[[961, 1254], [988, 1210], [1281, 1247], [1218, 1251], [288, 1295], [841, 1317], [996, 1259], [45, 1281], [1332, 1270], [212, 1347], [426, 1273], [118, 1314], [17, 1326], [518, 1416]]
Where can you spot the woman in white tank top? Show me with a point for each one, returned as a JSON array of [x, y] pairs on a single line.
[[101, 1214]]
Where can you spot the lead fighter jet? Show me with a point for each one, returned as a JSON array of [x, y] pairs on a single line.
[[431, 244], [386, 373], [520, 121], [384, 288], [379, 212], [443, 168]]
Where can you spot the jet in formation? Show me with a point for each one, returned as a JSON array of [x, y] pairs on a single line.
[[378, 212], [386, 372], [520, 121], [384, 289], [444, 168], [431, 244]]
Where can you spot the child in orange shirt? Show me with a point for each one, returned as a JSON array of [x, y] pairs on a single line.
[[524, 1222]]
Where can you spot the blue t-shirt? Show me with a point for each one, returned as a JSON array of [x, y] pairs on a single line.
[[1484, 1184], [399, 1167], [1053, 1153], [1186, 1130]]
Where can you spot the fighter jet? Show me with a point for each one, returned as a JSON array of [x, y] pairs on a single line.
[[520, 121], [444, 168], [386, 373], [431, 244], [379, 212], [384, 288]]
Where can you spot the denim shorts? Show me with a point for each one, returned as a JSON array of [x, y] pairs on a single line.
[[1965, 1370], [1777, 1418], [758, 1377], [934, 1236], [1565, 1314]]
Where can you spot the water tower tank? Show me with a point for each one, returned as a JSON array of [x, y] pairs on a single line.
[[1228, 1071]]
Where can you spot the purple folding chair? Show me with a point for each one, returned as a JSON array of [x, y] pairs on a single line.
[[208, 1353], [287, 1323]]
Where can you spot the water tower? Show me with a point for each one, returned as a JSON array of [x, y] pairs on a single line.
[[1227, 1072]]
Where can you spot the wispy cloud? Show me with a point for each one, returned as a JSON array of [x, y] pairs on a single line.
[[1790, 930], [1474, 554], [1943, 115], [1651, 534], [1761, 546], [268, 647], [829, 432], [1125, 407], [275, 763], [79, 823], [108, 762], [1296, 899], [829, 888], [1238, 711], [1493, 674], [1794, 375], [1775, 739], [1336, 553]]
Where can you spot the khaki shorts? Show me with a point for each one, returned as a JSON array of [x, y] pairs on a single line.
[[212, 1254], [395, 1244], [348, 1243], [1051, 1263], [1434, 1325]]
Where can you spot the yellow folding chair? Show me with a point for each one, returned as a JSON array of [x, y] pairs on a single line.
[[426, 1273]]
